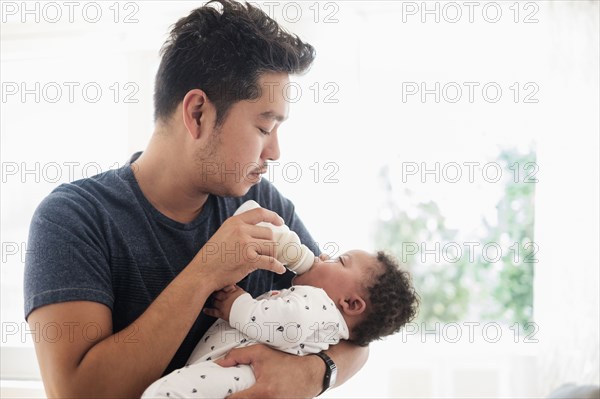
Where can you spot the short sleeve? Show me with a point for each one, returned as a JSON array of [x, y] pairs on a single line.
[[67, 257]]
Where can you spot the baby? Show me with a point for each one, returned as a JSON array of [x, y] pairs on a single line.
[[358, 297]]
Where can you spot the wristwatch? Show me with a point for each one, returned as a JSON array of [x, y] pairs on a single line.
[[330, 372]]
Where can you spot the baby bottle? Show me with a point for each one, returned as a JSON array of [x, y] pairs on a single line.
[[289, 250]]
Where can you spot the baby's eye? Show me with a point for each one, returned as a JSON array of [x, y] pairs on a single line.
[[264, 132]]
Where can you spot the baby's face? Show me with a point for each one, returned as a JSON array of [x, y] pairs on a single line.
[[342, 275]]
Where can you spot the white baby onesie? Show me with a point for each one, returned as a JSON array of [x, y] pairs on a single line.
[[299, 320]]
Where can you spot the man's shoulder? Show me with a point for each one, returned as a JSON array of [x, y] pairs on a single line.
[[86, 196]]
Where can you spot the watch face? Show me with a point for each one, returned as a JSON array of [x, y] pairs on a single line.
[[333, 376]]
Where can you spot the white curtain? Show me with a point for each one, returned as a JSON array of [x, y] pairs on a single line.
[[566, 300]]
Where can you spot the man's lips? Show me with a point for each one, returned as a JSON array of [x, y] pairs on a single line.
[[258, 173]]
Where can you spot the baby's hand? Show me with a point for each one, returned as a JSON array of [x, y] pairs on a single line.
[[223, 301]]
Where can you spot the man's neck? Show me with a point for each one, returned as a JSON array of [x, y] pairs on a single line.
[[165, 186]]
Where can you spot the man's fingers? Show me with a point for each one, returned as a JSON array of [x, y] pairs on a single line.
[[230, 288], [212, 312], [226, 362], [220, 295], [235, 357], [224, 292], [268, 263], [259, 247], [262, 232], [258, 215]]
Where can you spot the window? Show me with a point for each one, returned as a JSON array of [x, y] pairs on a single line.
[[465, 269]]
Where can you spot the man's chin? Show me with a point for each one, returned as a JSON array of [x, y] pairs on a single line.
[[239, 189], [254, 178]]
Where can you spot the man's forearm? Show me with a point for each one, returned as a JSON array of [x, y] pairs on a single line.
[[124, 364], [349, 359], [154, 338]]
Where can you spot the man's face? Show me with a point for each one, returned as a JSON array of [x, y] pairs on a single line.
[[240, 148]]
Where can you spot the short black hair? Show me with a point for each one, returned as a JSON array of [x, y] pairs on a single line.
[[224, 52], [392, 302]]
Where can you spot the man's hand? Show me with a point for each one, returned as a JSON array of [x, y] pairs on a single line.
[[223, 301], [278, 374], [238, 248]]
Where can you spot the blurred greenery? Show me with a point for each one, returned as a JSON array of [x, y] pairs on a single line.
[[469, 286]]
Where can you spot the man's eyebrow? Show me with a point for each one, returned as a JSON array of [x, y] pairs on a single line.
[[271, 115]]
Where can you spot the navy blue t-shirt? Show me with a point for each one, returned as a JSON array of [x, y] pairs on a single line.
[[99, 239]]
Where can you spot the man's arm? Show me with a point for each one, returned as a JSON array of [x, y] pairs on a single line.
[[85, 358], [88, 360], [349, 359], [302, 376]]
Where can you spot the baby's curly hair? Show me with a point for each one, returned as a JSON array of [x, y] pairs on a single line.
[[392, 302]]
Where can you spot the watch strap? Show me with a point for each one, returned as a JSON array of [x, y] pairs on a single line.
[[330, 371]]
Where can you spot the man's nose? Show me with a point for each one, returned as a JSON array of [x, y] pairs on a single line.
[[271, 151]]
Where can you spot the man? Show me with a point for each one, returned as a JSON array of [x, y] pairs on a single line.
[[121, 264]]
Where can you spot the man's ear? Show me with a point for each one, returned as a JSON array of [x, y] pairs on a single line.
[[353, 305], [193, 106]]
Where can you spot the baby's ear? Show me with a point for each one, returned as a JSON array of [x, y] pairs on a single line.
[[353, 305]]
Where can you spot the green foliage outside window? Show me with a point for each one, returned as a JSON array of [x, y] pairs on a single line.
[[474, 287]]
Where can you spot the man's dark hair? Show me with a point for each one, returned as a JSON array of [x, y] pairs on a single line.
[[224, 53], [392, 302]]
